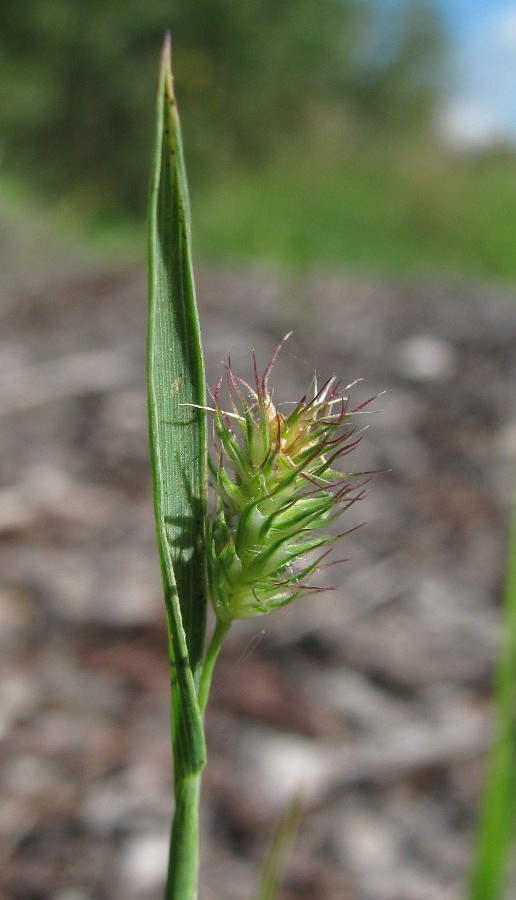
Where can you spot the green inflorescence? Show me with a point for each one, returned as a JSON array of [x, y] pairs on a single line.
[[276, 488]]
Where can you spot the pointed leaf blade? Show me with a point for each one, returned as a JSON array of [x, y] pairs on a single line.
[[177, 429]]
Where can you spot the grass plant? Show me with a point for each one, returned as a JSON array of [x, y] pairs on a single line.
[[276, 479]]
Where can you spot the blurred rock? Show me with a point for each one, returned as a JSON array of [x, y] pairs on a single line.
[[426, 358], [143, 863]]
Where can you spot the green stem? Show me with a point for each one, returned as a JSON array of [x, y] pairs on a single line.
[[183, 867], [221, 629], [182, 878]]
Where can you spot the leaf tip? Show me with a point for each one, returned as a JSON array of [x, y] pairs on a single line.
[[167, 48], [166, 65]]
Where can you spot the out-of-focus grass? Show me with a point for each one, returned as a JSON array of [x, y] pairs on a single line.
[[435, 215], [497, 820]]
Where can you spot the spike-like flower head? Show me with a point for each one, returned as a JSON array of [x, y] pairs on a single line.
[[276, 486]]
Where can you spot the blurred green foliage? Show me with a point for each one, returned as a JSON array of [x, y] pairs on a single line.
[[257, 81], [410, 210]]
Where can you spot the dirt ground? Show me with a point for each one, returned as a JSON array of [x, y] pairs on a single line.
[[372, 700]]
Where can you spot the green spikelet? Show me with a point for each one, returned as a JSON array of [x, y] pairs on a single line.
[[276, 488]]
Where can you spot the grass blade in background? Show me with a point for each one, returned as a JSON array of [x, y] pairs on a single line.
[[497, 819], [269, 887]]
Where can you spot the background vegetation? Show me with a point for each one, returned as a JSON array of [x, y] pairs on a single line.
[[319, 118]]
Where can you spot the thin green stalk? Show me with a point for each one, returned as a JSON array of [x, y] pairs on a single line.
[[497, 820], [184, 841], [221, 629], [269, 886]]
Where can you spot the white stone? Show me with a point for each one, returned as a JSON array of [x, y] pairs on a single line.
[[144, 861], [426, 358]]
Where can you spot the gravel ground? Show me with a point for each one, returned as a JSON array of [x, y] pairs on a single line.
[[372, 700]]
